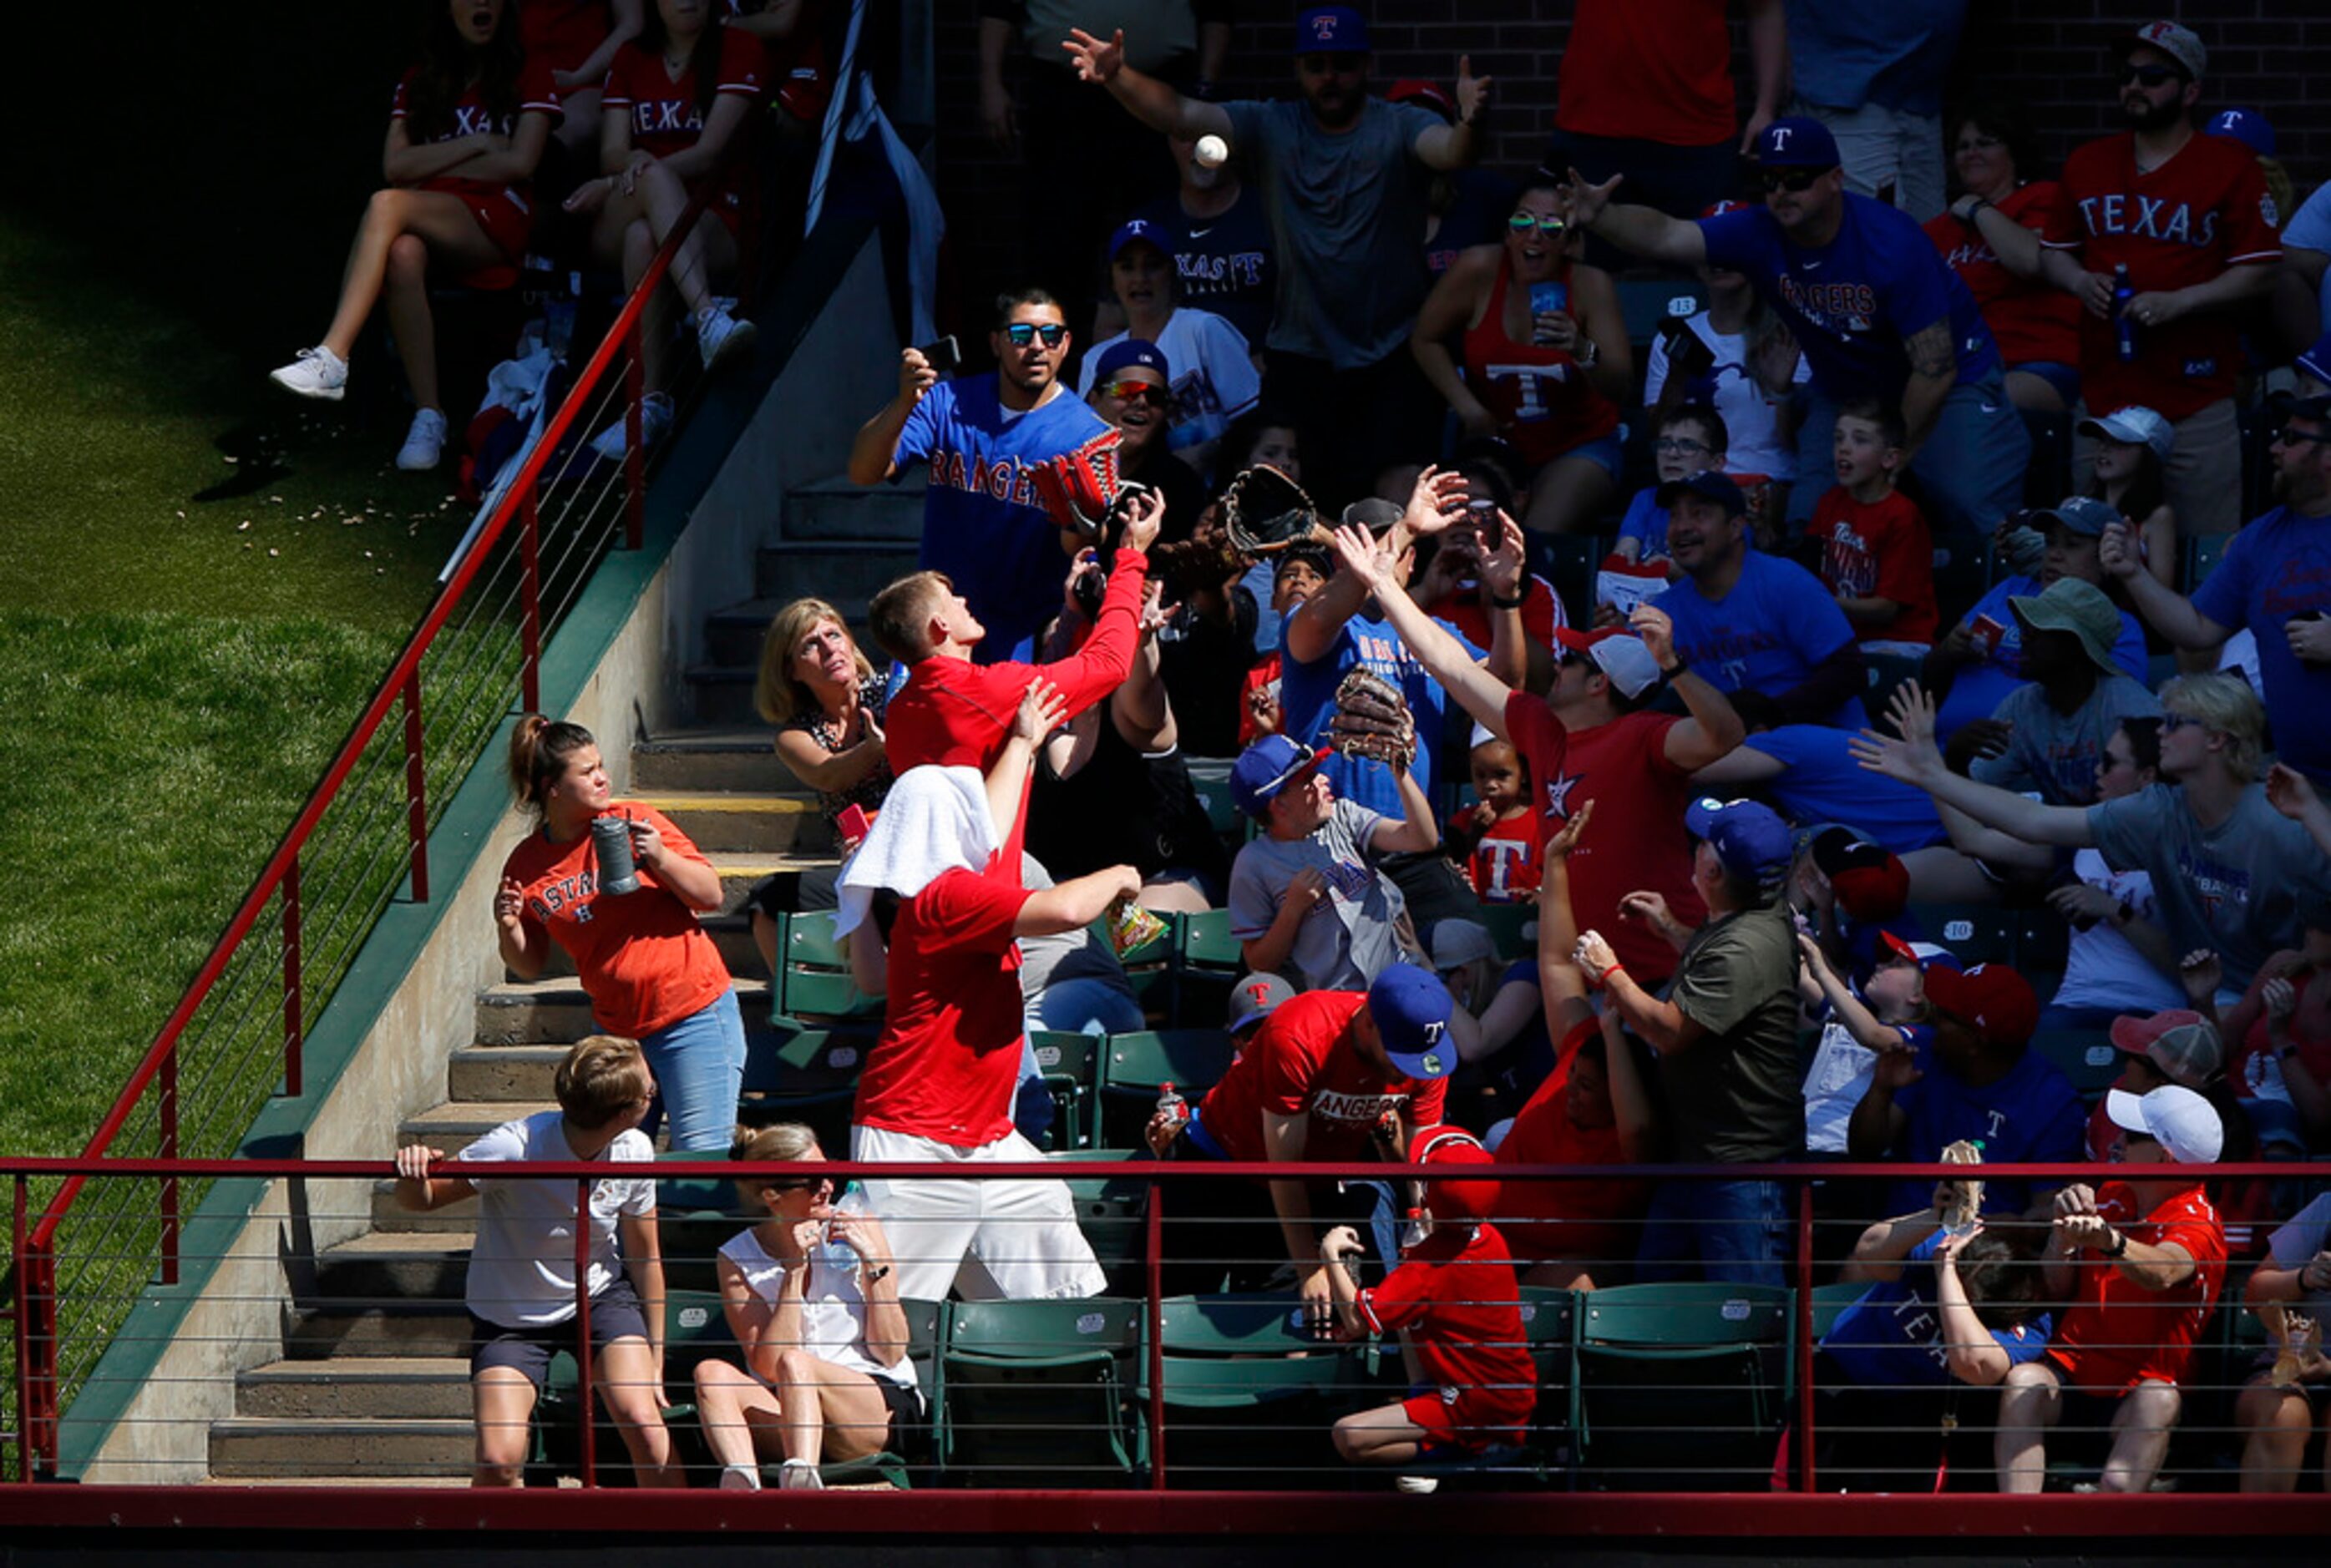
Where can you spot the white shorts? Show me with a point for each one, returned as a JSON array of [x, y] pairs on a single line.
[[1011, 1240]]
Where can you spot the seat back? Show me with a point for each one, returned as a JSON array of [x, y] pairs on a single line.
[[812, 1079], [812, 979], [2086, 1056], [1037, 1392], [1681, 1386], [1192, 1060], [1974, 933], [1113, 1212], [1070, 1065], [1250, 1395]]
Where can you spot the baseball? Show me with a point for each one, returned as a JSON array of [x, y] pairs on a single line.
[[1213, 152]]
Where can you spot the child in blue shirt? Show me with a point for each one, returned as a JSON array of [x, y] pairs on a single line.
[[1692, 439]]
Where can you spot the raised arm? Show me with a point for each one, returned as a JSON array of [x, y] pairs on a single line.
[[1973, 1355], [1416, 831], [1041, 710], [1768, 60], [1659, 1020], [874, 449], [1483, 695], [1105, 659], [1638, 230], [1457, 146], [1714, 729], [1861, 1023], [1915, 760], [1153, 102], [2164, 609]]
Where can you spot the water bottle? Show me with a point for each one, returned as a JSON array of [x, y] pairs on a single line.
[[611, 841], [1412, 1235], [2124, 324], [1173, 1106]]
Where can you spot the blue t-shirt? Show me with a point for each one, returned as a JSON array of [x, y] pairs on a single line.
[[2031, 1114], [983, 525], [1978, 689], [1647, 521], [1307, 702], [1823, 783], [1767, 634], [1892, 1337], [1853, 302], [1223, 265], [1845, 54], [2277, 567]]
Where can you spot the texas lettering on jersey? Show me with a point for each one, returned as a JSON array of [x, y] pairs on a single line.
[[1528, 379], [2147, 218]]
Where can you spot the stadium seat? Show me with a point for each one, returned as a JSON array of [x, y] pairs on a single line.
[[1037, 1393], [1549, 1320], [1974, 933], [1506, 924], [2203, 554], [1250, 1395], [814, 1081], [1829, 1302], [1886, 672], [1070, 1063], [1211, 778], [689, 1239], [1647, 304], [1207, 945], [1113, 1212], [814, 981], [1681, 1386], [1192, 1060], [2087, 1056]]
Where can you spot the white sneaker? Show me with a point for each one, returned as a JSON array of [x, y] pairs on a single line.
[[317, 373], [1416, 1485], [799, 1476], [424, 443], [655, 419], [721, 339], [740, 1479]]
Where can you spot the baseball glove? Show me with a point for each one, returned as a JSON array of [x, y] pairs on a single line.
[[1264, 511], [1371, 719]]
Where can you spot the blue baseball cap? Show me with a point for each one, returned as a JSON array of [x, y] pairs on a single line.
[[1132, 354], [1797, 143], [1133, 231], [2084, 515], [1749, 839], [2246, 126], [1411, 1008], [1265, 768], [1331, 30], [1708, 485], [2315, 363]]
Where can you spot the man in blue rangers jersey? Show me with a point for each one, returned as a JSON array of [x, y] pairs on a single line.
[[1874, 311]]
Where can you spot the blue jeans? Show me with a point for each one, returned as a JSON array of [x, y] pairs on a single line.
[[1089, 1006], [699, 1066], [1972, 464], [1734, 1231]]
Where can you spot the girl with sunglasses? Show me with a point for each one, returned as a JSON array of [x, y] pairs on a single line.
[[1547, 358]]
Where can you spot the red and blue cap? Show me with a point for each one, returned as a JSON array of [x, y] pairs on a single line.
[[1796, 142], [1267, 767], [1411, 1008], [1331, 30], [1749, 838]]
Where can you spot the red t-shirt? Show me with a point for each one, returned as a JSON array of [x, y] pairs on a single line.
[[561, 33], [663, 112], [2117, 1334], [1573, 1220], [949, 1059], [1880, 548], [1506, 862], [1302, 1062], [1264, 674], [1540, 395], [472, 117], [1638, 839], [2185, 223], [1656, 70], [2033, 321], [1456, 1294], [1542, 614], [643, 956]]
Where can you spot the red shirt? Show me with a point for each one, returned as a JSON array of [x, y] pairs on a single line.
[[1638, 841], [1539, 394], [2033, 321], [2185, 223], [1542, 614], [1573, 1220], [1506, 863], [2117, 1334], [1265, 674], [1656, 70], [561, 33], [643, 956], [472, 116], [1302, 1062], [1456, 1294], [949, 1059], [663, 112], [1880, 549]]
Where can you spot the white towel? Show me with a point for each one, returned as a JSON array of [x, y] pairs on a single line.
[[933, 820]]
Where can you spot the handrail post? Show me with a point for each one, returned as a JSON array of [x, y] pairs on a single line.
[[635, 495], [20, 1200], [583, 1329], [1807, 1481], [168, 1090], [295, 1016], [416, 787], [530, 600], [41, 1333], [1155, 1247]]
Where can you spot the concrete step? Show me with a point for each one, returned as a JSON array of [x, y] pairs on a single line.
[[724, 758], [503, 1072], [390, 1218], [403, 1329], [728, 822], [256, 1447], [833, 569], [556, 1011], [835, 508], [721, 694], [394, 1266], [455, 1124], [357, 1388]]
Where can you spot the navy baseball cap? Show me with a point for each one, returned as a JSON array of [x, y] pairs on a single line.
[[1708, 485], [1134, 231], [1132, 354], [1749, 839], [1331, 30], [2246, 126], [2315, 363], [1797, 143], [2084, 515], [1411, 1008], [1265, 768]]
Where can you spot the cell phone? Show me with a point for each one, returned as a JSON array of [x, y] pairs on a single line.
[[944, 355], [853, 826], [1988, 632]]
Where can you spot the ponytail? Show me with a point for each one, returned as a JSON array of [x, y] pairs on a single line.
[[540, 750]]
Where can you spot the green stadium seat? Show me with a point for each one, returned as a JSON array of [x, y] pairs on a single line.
[[1211, 778], [1113, 1212], [1070, 1063], [1504, 923], [2087, 1056], [1974, 933], [1829, 1302], [1681, 1386], [1249, 1395], [2203, 554], [1038, 1394], [813, 1080], [1207, 945], [689, 1239], [1549, 1320], [1886, 672], [1648, 304], [813, 979], [1192, 1060]]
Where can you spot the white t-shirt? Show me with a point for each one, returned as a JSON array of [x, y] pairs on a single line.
[[1836, 1080], [2102, 968], [1755, 438], [1214, 382], [833, 1307], [523, 1267]]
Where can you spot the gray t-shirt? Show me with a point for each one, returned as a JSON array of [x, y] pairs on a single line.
[[1347, 939], [1346, 212], [1733, 1095], [2059, 753], [1084, 953], [2235, 888]]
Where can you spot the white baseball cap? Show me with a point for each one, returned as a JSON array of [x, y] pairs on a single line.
[[2182, 1122]]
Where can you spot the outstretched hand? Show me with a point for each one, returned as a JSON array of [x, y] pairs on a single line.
[[1364, 556], [2290, 792], [1587, 202], [1566, 837], [1472, 92], [1436, 502], [1913, 758], [1502, 569], [1095, 60]]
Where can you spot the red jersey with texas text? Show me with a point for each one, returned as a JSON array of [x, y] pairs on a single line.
[[2185, 223], [473, 116], [662, 110], [1303, 1062], [1879, 549], [1456, 1294], [2033, 319], [1506, 861], [2117, 1334]]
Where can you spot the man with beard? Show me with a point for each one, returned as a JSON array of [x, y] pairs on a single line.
[[1346, 178], [984, 528], [2275, 580], [1132, 389], [2189, 216]]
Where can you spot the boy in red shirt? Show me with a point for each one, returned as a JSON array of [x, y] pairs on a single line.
[[1455, 1297], [1876, 556], [2141, 1261]]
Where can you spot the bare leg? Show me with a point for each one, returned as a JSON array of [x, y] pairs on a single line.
[[1383, 1436], [438, 220], [727, 1400], [2027, 391], [2276, 1423], [1566, 496], [409, 318], [504, 1404], [627, 1387], [1178, 896], [2029, 1404], [1556, 1274], [827, 1405], [1941, 875], [2141, 1428]]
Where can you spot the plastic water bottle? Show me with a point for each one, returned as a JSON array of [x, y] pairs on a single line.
[[1173, 1106], [1412, 1235], [2124, 324]]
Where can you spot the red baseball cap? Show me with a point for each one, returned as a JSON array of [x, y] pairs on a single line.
[[2181, 1042], [1870, 881], [1424, 94], [1992, 999], [1453, 1200]]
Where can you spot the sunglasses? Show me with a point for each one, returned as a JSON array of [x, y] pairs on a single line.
[[2287, 436], [2150, 75], [1139, 392], [1023, 333], [1523, 223], [1796, 182], [2171, 723], [795, 1184]]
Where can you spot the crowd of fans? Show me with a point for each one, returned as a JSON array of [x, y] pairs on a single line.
[[1831, 676]]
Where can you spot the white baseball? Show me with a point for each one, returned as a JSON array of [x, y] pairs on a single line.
[[1211, 152]]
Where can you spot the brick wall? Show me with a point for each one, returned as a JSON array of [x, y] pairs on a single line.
[[2272, 55]]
